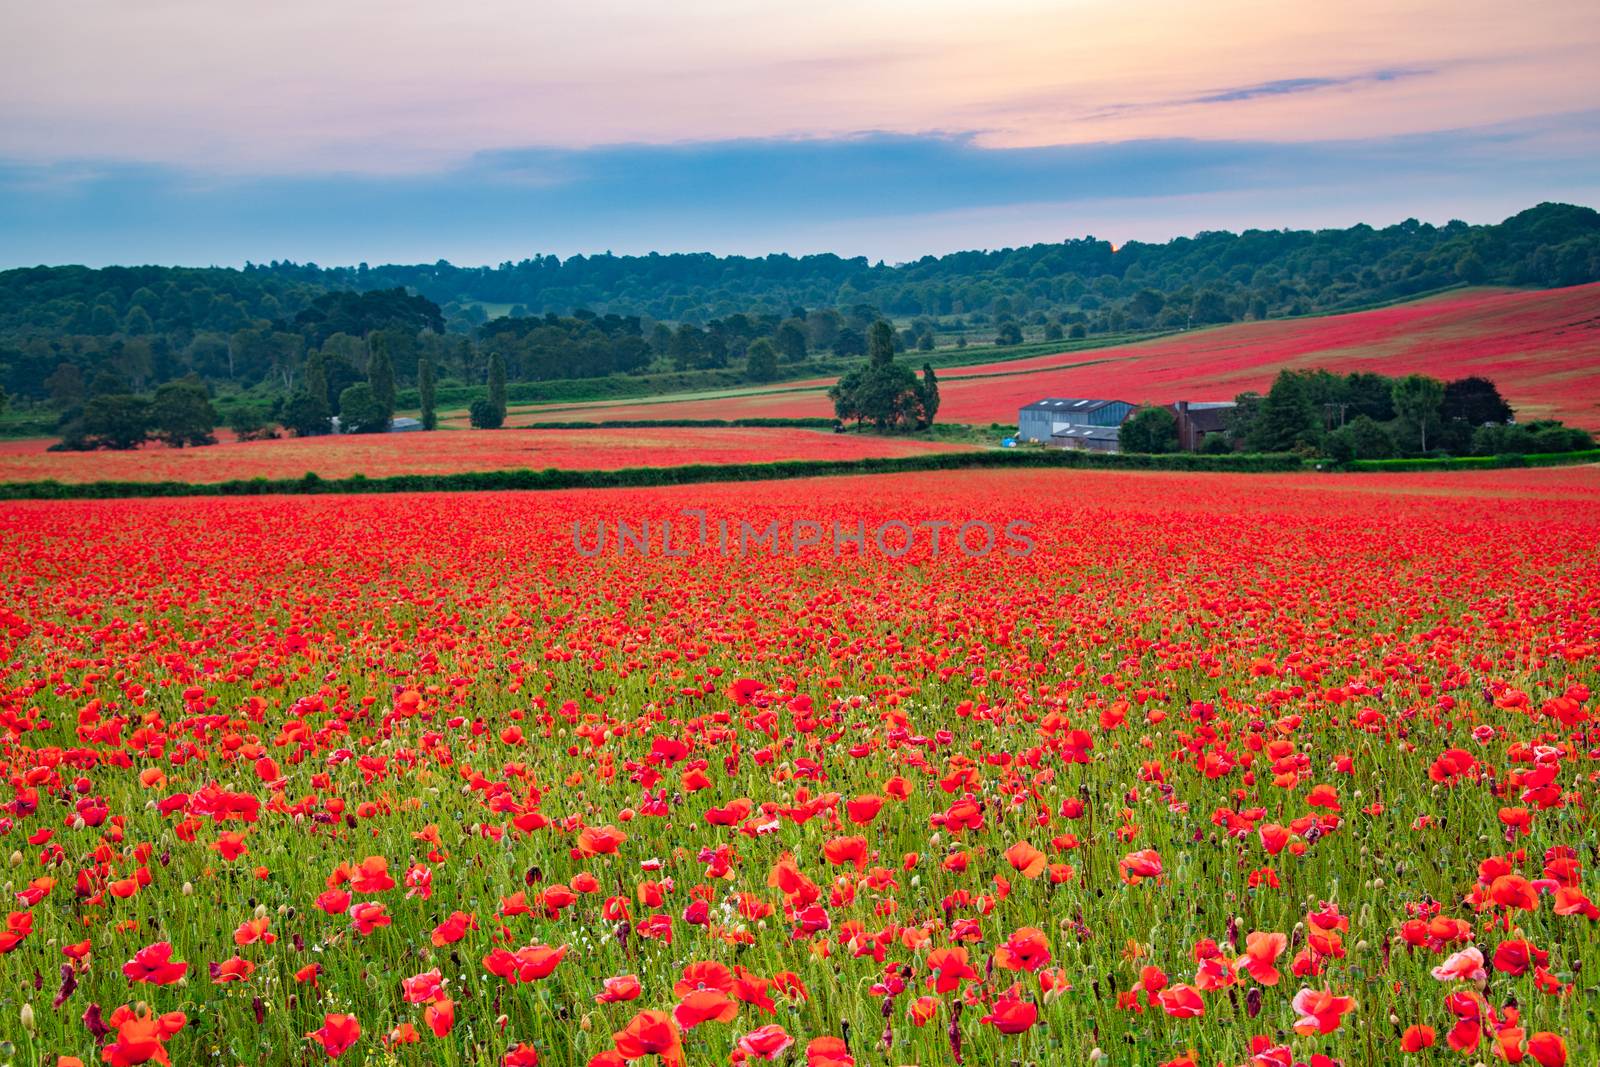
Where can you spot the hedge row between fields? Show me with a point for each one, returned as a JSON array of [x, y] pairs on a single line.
[[643, 424], [1465, 463], [640, 477]]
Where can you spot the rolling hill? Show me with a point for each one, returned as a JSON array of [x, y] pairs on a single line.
[[1542, 347]]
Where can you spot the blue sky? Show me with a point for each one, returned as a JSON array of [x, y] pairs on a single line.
[[191, 133]]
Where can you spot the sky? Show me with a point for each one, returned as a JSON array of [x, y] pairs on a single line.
[[480, 131]]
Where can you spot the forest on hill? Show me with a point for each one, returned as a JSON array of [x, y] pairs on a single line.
[[63, 329]]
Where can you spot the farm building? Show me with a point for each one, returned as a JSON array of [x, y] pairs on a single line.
[[399, 424], [1041, 420], [1088, 438], [1198, 418]]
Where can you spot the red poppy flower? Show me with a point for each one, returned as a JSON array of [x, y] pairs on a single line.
[[649, 1033], [337, 1034], [1320, 1012], [1012, 1016], [766, 1042], [154, 964]]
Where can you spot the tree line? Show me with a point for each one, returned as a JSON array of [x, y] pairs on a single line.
[[1365, 416], [254, 328]]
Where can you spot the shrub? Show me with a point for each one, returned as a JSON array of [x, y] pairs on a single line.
[[361, 410], [485, 414]]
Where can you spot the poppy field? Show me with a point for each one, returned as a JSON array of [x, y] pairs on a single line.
[[1255, 770], [1541, 348], [378, 455]]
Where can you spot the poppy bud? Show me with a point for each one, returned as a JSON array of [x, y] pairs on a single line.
[[16, 858], [27, 1017]]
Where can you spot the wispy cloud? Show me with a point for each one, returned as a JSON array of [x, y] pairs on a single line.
[[1278, 88], [1289, 86]]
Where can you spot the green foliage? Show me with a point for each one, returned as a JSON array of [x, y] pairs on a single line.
[[1474, 401], [1418, 403], [1285, 419], [253, 326], [761, 365], [307, 411], [1008, 333], [1150, 430], [116, 421], [790, 342], [1360, 438], [930, 395], [361, 411], [425, 394], [250, 423], [850, 343], [380, 375], [638, 477], [497, 386], [885, 392], [181, 414], [1558, 459], [1545, 436], [361, 313], [880, 343], [485, 414]]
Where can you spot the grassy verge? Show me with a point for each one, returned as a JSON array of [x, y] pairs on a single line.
[[1464, 463]]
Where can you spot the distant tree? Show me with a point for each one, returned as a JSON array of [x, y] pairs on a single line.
[[361, 411], [790, 341], [116, 421], [250, 424], [425, 394], [109, 383], [1369, 394], [66, 386], [380, 375], [1209, 306], [1239, 423], [846, 396], [1360, 438], [138, 323], [1054, 332], [1216, 444], [1146, 304], [1287, 420], [485, 415], [1008, 333], [181, 414], [1470, 269], [497, 386], [930, 395], [307, 411], [1418, 401], [1474, 401], [1150, 430], [761, 365], [688, 346], [849, 342], [885, 392], [880, 343], [1078, 332]]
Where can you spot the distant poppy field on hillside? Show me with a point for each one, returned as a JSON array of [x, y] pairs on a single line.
[[1243, 770], [1542, 348]]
